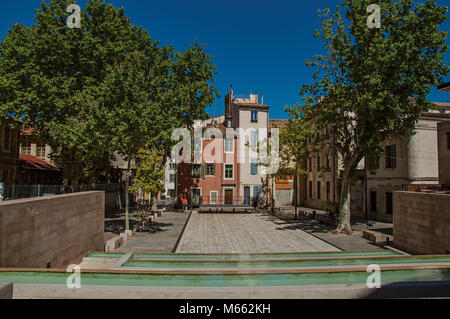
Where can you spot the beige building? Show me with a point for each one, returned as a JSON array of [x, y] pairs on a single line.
[[250, 116], [444, 153], [320, 188], [30, 145], [408, 163]]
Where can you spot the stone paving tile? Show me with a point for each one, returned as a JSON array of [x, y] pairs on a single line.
[[167, 231], [344, 242], [241, 233]]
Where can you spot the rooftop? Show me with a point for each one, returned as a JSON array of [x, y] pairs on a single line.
[[32, 162], [444, 87]]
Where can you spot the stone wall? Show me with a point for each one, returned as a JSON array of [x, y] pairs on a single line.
[[114, 201], [58, 229], [422, 222]]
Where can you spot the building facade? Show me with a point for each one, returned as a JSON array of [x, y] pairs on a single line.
[[444, 153], [30, 145], [409, 163], [232, 176], [214, 179], [36, 171], [9, 152]]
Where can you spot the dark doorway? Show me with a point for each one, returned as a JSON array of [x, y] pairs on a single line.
[[246, 195]]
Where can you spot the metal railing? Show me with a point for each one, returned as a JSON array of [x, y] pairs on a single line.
[[208, 201], [11, 192]]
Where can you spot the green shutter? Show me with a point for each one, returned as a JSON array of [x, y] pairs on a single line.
[[203, 171]]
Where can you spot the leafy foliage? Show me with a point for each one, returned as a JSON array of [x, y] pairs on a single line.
[[372, 83], [149, 173], [103, 89]]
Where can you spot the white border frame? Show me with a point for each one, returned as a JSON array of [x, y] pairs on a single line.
[[224, 171], [210, 196]]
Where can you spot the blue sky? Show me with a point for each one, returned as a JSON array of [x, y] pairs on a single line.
[[259, 46]]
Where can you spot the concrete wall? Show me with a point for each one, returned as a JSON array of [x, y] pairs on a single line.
[[422, 222], [6, 290], [284, 197], [60, 229], [416, 164], [423, 153]]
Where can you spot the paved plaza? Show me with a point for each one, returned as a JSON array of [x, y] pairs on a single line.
[[257, 233], [162, 236]]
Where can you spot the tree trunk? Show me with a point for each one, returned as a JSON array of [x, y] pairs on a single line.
[[295, 194], [344, 222], [127, 198]]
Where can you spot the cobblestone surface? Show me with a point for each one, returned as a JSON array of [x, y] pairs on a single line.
[[234, 233]]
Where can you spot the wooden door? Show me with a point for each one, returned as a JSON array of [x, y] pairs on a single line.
[[228, 197]]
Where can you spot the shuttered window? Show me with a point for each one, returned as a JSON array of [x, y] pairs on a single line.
[[210, 169], [391, 155], [254, 166]]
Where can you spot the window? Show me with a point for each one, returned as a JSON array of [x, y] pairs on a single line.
[[254, 166], [172, 166], [172, 178], [328, 186], [373, 201], [389, 203], [327, 161], [310, 190], [442, 111], [229, 145], [6, 138], [318, 163], [254, 138], [373, 162], [195, 170], [254, 117], [40, 150], [229, 171], [211, 169], [391, 154], [448, 140], [213, 197], [26, 148], [319, 184], [310, 164]]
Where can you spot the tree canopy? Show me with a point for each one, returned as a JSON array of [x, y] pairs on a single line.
[[103, 89], [372, 83]]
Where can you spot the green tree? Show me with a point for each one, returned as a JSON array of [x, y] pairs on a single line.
[[294, 148], [372, 83], [52, 77], [139, 103], [149, 172], [44, 70]]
